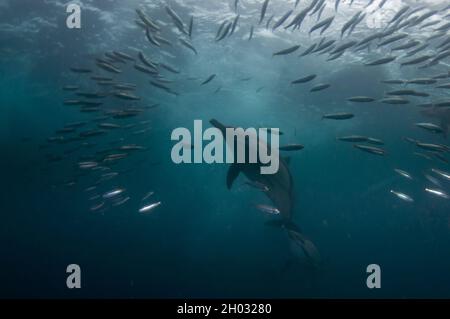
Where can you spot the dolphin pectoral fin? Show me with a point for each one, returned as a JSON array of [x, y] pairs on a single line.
[[233, 173]]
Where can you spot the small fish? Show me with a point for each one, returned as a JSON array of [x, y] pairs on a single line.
[[371, 149], [433, 180], [144, 69], [381, 61], [120, 202], [353, 139], [263, 11], [189, 46], [65, 130], [146, 61], [80, 70], [251, 33], [441, 173], [148, 208], [123, 56], [109, 68], [209, 79], [131, 147], [324, 24], [430, 127], [191, 27], [338, 116], [268, 209], [403, 173], [423, 81], [441, 157], [361, 99], [415, 61], [225, 31], [269, 21], [309, 50], [320, 87], [374, 141], [70, 88], [443, 86], [394, 100], [126, 96], [219, 31], [305, 79], [282, 19], [113, 193], [90, 189], [437, 192], [87, 165], [425, 156], [148, 195], [109, 125], [260, 186], [291, 147], [235, 22], [108, 176], [392, 39], [403, 196], [287, 51], [169, 68], [176, 19], [97, 207], [75, 124], [432, 147], [393, 81]]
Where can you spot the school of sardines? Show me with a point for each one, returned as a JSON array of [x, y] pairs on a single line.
[[399, 41]]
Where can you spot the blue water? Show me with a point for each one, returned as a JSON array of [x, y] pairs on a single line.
[[205, 240]]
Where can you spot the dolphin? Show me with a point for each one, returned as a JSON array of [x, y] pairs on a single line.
[[280, 190], [440, 113]]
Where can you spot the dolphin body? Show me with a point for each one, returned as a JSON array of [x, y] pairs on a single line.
[[440, 113], [280, 190]]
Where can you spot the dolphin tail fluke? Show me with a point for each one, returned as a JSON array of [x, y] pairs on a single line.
[[307, 246], [298, 240]]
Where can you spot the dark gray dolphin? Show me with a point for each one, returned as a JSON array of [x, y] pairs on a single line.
[[280, 190]]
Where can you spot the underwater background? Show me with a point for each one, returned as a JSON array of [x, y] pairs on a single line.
[[205, 241]]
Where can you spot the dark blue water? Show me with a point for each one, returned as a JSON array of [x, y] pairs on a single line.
[[205, 240]]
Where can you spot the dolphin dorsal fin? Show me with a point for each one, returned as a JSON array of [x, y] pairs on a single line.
[[287, 160], [233, 173]]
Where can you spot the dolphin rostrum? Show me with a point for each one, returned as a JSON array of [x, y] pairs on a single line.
[[280, 190]]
